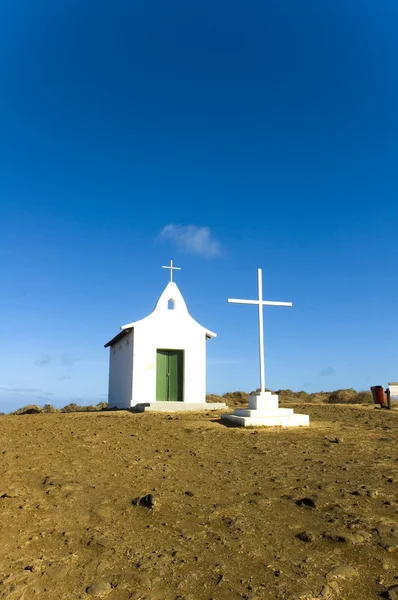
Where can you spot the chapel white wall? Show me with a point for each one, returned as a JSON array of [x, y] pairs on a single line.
[[121, 372], [169, 330]]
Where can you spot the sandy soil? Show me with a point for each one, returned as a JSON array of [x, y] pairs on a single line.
[[226, 523]]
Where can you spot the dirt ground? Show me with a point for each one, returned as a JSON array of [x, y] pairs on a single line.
[[227, 522]]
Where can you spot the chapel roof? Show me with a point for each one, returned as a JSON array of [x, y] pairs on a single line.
[[118, 337], [171, 292]]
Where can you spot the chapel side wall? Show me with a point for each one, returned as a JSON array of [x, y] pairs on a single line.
[[144, 359], [121, 372]]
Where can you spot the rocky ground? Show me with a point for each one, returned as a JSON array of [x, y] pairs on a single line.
[[232, 513]]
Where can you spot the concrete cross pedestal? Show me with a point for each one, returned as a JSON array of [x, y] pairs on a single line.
[[264, 411], [263, 407]]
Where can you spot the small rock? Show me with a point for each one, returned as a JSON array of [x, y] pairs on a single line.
[[335, 537], [135, 578], [341, 572], [357, 537], [16, 587], [305, 536], [391, 480], [384, 529], [372, 493], [392, 593], [57, 571], [309, 501], [188, 493], [101, 541], [330, 591], [336, 440], [148, 501], [9, 494], [390, 544], [99, 589]]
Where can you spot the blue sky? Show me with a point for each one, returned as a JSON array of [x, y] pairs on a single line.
[[264, 132]]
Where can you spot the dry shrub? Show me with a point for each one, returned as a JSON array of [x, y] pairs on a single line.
[[349, 396], [95, 407], [235, 398], [213, 398], [30, 409], [69, 408], [290, 396], [319, 397], [343, 396], [49, 408], [363, 397], [89, 408], [33, 409]]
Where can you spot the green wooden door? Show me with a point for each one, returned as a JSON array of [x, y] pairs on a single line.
[[162, 369], [169, 375]]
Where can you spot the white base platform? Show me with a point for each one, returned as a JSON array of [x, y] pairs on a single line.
[[178, 406], [263, 411]]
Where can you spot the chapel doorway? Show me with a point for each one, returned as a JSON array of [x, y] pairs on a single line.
[[169, 375]]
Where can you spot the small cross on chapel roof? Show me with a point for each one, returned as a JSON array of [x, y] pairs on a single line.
[[172, 269]]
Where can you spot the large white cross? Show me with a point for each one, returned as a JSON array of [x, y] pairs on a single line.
[[260, 302], [172, 269]]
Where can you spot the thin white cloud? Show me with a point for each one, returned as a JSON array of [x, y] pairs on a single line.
[[43, 361], [19, 390], [68, 360], [327, 372], [193, 239]]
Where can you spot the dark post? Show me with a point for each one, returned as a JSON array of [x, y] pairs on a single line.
[[388, 393]]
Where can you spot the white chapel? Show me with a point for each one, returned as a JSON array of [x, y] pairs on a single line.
[[159, 362]]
